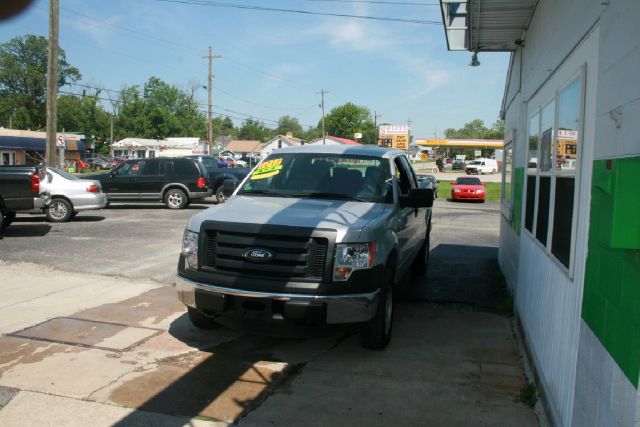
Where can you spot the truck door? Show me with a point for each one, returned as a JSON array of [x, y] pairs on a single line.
[[151, 179], [120, 183], [407, 222]]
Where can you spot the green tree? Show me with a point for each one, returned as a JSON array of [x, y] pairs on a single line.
[[23, 81], [222, 127], [254, 130], [159, 110], [476, 129], [289, 124], [346, 120], [83, 114]]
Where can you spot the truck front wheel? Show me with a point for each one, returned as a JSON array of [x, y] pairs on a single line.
[[376, 333]]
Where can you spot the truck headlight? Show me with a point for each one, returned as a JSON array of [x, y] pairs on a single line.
[[351, 257], [190, 248]]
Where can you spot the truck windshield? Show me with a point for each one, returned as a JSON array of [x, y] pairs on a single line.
[[327, 176]]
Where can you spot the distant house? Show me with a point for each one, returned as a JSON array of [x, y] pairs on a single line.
[[245, 147], [332, 140], [170, 147], [280, 141]]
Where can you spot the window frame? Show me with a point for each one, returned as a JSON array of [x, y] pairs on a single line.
[[506, 204], [555, 173]]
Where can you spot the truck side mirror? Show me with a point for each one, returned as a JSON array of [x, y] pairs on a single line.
[[417, 198]]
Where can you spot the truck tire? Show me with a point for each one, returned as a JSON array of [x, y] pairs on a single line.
[[420, 263], [1, 220], [175, 198], [199, 320], [59, 210], [8, 218], [376, 333], [220, 197]]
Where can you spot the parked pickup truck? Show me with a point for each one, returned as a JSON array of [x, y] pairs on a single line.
[[218, 175], [316, 234], [19, 191]]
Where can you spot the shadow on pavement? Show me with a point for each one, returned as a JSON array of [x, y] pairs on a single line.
[[221, 381], [460, 274], [192, 206], [25, 230]]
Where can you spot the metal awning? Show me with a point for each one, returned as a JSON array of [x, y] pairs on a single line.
[[486, 25], [35, 144]]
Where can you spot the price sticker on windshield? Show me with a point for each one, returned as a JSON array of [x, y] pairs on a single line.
[[268, 169]]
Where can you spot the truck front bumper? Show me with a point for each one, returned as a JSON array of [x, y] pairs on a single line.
[[329, 309]]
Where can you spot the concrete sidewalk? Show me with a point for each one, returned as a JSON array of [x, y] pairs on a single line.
[[81, 350]]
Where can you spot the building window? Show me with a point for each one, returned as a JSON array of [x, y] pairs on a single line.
[[552, 163]]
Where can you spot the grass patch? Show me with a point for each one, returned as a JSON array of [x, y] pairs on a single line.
[[493, 191], [528, 395]]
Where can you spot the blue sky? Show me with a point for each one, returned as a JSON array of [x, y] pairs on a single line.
[[275, 63]]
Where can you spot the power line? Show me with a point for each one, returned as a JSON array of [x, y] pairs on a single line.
[[115, 28], [129, 30], [261, 105], [304, 12], [394, 3]]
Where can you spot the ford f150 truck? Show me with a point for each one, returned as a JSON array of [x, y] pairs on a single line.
[[19, 191], [317, 234]]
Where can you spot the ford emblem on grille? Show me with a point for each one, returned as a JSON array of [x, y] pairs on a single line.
[[257, 255]]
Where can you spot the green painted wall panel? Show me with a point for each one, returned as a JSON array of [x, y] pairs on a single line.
[[611, 299], [517, 185]]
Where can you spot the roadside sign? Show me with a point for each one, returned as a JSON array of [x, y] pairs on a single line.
[[358, 135], [60, 142], [401, 142]]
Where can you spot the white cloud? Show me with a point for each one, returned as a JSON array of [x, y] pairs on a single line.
[[94, 30]]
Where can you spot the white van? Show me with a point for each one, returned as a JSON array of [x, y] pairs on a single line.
[[481, 166]]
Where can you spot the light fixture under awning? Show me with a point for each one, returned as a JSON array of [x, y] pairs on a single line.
[[486, 25]]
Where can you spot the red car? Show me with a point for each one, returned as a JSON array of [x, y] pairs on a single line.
[[467, 188]]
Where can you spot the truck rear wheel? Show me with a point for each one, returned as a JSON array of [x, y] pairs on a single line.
[[175, 198], [199, 320], [376, 333], [8, 218]]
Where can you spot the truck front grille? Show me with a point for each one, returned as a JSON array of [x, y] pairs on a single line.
[[299, 255]]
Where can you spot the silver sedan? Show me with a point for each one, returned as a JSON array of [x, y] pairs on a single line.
[[69, 194]]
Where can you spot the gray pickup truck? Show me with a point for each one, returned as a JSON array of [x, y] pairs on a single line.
[[315, 234], [19, 191]]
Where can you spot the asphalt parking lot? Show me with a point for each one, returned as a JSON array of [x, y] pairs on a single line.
[[92, 333]]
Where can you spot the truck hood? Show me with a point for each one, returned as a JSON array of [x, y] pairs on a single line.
[[346, 217]]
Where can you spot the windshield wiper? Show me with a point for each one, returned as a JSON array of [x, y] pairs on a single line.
[[264, 192], [327, 195]]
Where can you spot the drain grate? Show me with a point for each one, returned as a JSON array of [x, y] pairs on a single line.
[[88, 333]]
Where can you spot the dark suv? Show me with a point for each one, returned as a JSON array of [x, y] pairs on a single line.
[[175, 181]]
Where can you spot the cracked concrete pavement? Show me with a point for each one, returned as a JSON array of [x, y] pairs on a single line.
[[79, 349]]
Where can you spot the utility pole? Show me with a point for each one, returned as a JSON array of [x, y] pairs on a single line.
[[375, 122], [52, 82], [324, 135], [210, 57], [114, 112]]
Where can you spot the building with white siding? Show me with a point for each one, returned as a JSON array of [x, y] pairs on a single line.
[[570, 227]]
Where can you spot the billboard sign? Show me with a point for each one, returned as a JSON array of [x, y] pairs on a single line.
[[393, 130]]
